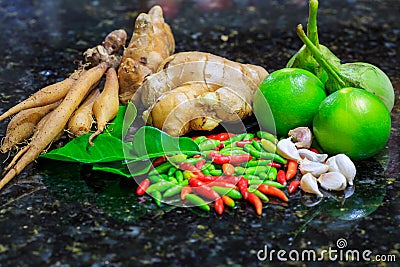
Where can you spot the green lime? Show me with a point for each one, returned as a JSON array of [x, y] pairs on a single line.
[[286, 99], [352, 121]]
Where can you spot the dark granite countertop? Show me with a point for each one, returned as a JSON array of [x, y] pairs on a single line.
[[55, 214]]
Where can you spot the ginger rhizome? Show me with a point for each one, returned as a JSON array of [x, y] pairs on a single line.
[[151, 42], [223, 91]]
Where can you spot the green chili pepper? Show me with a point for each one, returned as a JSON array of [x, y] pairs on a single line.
[[240, 170], [206, 172], [172, 191], [196, 200], [251, 177], [230, 192], [258, 193], [162, 168], [265, 155], [160, 186], [157, 197], [268, 136], [227, 151], [177, 159], [164, 176], [252, 163], [273, 183], [209, 144], [216, 172], [256, 181], [256, 145], [272, 173], [268, 146], [200, 139], [171, 171], [193, 160], [208, 166], [155, 178], [172, 179], [248, 136], [234, 139], [179, 176], [256, 169]]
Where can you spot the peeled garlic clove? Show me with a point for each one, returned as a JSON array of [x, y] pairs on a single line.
[[332, 181], [315, 168], [343, 164], [308, 154], [308, 183], [287, 149], [302, 137]]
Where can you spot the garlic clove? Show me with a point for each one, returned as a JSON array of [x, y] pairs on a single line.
[[308, 154], [287, 149], [308, 183], [343, 164], [315, 168], [332, 181], [302, 137]]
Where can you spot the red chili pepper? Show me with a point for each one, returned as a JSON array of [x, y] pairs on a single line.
[[228, 201], [196, 156], [200, 164], [233, 159], [185, 190], [207, 178], [243, 142], [275, 165], [219, 206], [159, 160], [281, 177], [220, 136], [256, 201], [194, 182], [314, 150], [228, 179], [206, 192], [272, 191], [242, 185], [185, 166], [293, 186], [291, 169], [142, 187]]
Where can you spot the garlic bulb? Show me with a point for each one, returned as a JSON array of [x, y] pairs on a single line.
[[343, 164], [332, 181], [287, 149], [308, 154], [308, 183], [315, 168], [302, 137]]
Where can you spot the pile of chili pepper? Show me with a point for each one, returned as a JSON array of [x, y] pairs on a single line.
[[230, 167]]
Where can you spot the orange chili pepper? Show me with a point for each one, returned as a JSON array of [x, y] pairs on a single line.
[[273, 191], [228, 169], [291, 169], [256, 201], [228, 201]]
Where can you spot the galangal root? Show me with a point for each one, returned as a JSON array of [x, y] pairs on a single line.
[[197, 91], [43, 117]]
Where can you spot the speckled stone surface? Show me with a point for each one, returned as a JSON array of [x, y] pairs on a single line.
[[55, 214]]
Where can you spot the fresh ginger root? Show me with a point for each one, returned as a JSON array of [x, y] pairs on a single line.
[[197, 91], [151, 42]]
